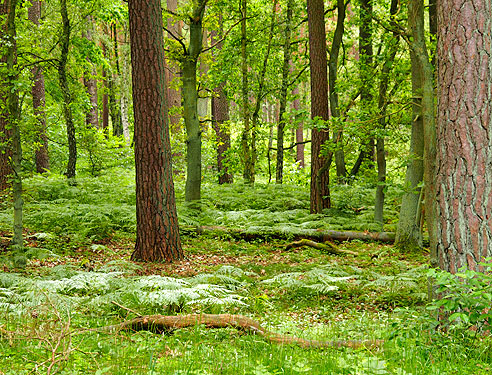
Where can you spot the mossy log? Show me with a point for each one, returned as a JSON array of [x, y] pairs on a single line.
[[165, 323], [326, 247], [295, 234]]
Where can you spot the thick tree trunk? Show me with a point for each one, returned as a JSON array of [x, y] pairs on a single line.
[[38, 101], [157, 223], [283, 94], [190, 103], [320, 170], [220, 120], [464, 134], [65, 89], [382, 106], [332, 76]]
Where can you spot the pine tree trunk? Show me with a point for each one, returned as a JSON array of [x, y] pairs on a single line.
[[283, 94], [464, 134], [320, 173], [65, 89], [157, 224], [114, 87], [38, 101]]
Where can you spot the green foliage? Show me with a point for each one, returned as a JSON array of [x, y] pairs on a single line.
[[465, 298]]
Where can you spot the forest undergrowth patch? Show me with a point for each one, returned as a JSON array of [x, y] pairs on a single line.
[[48, 312]]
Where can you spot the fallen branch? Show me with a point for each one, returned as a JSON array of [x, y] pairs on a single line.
[[163, 323], [311, 234], [326, 247]]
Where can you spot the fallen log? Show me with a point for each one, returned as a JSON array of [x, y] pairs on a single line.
[[296, 234], [163, 323], [326, 247]]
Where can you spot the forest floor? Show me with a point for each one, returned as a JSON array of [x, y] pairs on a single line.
[[48, 309], [79, 279]]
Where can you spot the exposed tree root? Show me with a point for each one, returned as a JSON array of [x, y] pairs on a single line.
[[326, 247], [163, 323], [295, 234]]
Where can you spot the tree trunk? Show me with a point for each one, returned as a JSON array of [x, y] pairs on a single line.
[[173, 72], [366, 75], [190, 102], [416, 11], [38, 101], [105, 104], [114, 87], [248, 172], [283, 93], [332, 76], [409, 234], [157, 223], [464, 134], [90, 83], [299, 131], [220, 119], [9, 117], [320, 173], [65, 89], [382, 106]]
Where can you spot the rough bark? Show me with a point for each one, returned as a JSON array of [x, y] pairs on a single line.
[[190, 105], [9, 116], [157, 224], [464, 134], [299, 136], [220, 120], [382, 106], [320, 174], [332, 83], [163, 323], [65, 89], [283, 93], [38, 101]]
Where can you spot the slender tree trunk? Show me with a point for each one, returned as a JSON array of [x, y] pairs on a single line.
[[114, 86], [382, 106], [320, 169], [409, 234], [90, 83], [283, 93], [65, 89], [124, 98], [332, 76], [173, 72], [248, 172], [190, 102], [105, 101], [299, 131], [220, 119], [464, 134], [38, 101], [157, 223]]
